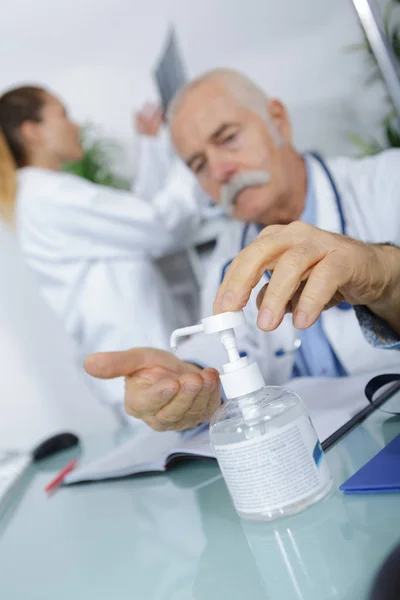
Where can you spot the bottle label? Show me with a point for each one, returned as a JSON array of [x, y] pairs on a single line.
[[275, 469]]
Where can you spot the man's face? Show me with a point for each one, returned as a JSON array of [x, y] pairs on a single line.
[[219, 140]]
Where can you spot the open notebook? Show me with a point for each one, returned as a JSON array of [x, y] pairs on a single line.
[[331, 403], [148, 452]]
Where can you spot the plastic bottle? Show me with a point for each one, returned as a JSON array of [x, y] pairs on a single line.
[[263, 438]]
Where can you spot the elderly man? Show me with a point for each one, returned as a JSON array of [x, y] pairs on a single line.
[[238, 143]]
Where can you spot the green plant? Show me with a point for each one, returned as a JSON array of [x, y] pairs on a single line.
[[99, 156], [390, 123]]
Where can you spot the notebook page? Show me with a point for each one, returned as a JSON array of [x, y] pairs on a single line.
[[145, 452], [332, 402]]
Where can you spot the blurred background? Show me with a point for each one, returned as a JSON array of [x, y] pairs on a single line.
[[99, 54], [99, 57]]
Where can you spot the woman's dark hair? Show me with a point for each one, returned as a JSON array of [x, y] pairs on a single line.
[[17, 106]]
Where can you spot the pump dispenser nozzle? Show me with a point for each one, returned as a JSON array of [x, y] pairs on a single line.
[[239, 377], [183, 332]]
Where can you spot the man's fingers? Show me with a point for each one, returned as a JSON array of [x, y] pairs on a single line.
[[168, 399], [321, 287], [260, 296], [188, 404], [181, 406], [248, 267], [107, 365], [144, 399], [272, 230], [210, 376], [318, 297], [214, 399], [210, 388], [285, 281], [246, 271], [213, 404]]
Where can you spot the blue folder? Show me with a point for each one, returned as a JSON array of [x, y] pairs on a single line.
[[380, 475]]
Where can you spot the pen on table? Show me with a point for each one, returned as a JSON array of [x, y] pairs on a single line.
[[61, 475]]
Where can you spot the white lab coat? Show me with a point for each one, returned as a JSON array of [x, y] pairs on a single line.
[[155, 159], [92, 249], [370, 196], [182, 270]]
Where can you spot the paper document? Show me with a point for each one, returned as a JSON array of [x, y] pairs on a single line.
[[333, 402], [151, 452], [330, 402]]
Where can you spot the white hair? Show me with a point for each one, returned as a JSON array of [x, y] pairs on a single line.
[[245, 92]]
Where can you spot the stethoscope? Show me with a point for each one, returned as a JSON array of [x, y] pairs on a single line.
[[343, 305]]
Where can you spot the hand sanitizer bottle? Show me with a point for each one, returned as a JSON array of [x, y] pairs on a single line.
[[263, 438]]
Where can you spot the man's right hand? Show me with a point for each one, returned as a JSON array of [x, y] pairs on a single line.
[[161, 390]]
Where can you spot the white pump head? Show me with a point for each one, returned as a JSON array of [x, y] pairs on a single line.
[[239, 377]]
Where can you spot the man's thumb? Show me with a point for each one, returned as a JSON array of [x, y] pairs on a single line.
[[107, 365]]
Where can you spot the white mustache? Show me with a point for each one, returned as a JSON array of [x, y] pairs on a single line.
[[237, 184]]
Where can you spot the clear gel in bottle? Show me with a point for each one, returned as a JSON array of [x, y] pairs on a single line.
[[263, 438]]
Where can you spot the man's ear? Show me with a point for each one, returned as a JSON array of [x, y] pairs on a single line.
[[280, 119]]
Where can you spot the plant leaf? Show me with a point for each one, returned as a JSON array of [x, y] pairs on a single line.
[[392, 132], [366, 147], [99, 156]]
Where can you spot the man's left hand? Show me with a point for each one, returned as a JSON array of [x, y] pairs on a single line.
[[312, 270]]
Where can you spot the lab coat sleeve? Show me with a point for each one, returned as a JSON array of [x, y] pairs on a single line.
[[155, 159], [100, 221], [387, 193], [375, 198], [376, 331]]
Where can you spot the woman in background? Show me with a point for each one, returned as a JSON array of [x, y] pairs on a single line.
[[90, 247]]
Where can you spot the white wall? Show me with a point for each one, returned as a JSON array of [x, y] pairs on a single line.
[[97, 54]]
